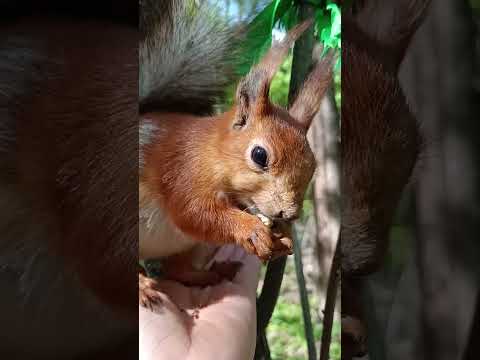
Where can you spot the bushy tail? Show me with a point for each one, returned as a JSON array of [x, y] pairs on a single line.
[[184, 57]]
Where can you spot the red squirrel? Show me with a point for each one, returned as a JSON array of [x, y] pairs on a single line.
[[203, 179]]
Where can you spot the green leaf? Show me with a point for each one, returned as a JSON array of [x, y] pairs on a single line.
[[336, 17], [331, 29], [322, 20], [328, 24], [289, 19], [259, 34]]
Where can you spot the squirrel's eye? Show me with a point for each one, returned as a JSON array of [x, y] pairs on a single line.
[[259, 156]]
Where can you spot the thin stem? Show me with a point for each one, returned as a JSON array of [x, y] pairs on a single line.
[[329, 309]]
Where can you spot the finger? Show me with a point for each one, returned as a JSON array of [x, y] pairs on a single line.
[[249, 273], [224, 253], [179, 294], [226, 269], [201, 297]]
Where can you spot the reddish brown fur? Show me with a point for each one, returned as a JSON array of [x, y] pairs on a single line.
[[200, 159]]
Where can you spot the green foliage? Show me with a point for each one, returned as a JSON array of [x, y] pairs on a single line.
[[259, 35], [283, 14], [335, 345], [329, 26], [286, 334], [475, 4], [328, 23], [281, 82]]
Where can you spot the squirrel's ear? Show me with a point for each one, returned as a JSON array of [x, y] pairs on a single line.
[[253, 90], [252, 96], [308, 100]]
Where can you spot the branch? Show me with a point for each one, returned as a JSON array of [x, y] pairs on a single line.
[[330, 303], [307, 320]]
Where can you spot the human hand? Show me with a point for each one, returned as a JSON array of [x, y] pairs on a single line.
[[217, 322]]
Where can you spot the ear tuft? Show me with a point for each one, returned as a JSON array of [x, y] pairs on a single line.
[[253, 90], [252, 96], [308, 100]]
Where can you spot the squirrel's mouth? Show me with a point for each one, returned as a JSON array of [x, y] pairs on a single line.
[[247, 205], [250, 207]]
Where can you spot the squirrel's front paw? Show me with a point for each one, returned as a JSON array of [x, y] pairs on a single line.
[[260, 236], [148, 292], [282, 239], [259, 242], [262, 241]]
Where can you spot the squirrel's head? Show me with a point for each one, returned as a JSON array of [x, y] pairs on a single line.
[[274, 162]]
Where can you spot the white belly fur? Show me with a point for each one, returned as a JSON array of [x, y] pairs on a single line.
[[158, 236]]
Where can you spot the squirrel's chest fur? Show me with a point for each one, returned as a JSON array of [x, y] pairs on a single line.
[[158, 236]]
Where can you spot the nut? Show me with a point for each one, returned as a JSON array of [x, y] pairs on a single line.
[[265, 220]]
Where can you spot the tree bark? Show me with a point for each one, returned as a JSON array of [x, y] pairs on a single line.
[[324, 137]]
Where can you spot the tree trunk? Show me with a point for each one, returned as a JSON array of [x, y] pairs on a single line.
[[324, 137]]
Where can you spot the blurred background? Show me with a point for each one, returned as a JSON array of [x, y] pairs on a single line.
[[423, 303]]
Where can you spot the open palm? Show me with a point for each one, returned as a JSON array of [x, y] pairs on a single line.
[[217, 322]]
